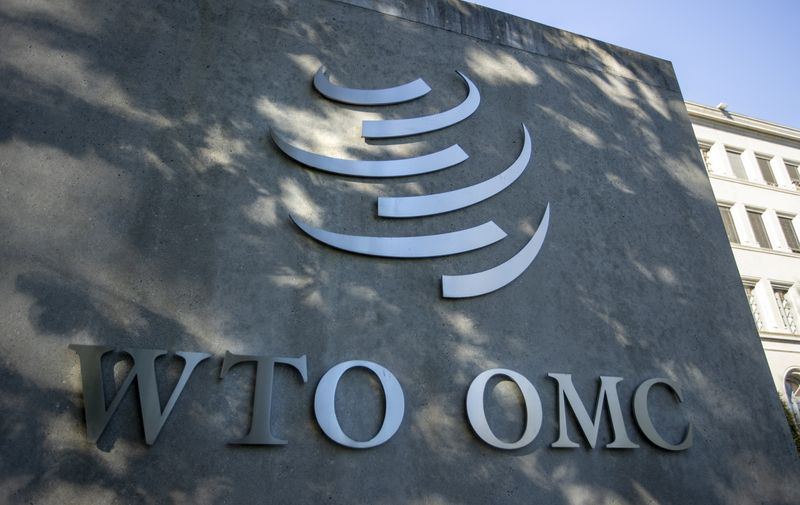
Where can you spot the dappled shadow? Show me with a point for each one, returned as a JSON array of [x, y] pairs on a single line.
[[145, 206]]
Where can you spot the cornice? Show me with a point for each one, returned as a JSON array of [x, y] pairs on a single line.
[[713, 114]]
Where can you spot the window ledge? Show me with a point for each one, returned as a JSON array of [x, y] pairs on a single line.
[[765, 250], [712, 175], [779, 336]]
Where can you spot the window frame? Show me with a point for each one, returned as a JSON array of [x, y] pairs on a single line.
[[796, 166], [760, 229], [737, 153], [705, 152], [752, 301], [766, 168], [723, 208], [792, 399], [790, 318], [789, 221]]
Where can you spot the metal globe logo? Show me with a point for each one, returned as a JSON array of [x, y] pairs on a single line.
[[394, 207]]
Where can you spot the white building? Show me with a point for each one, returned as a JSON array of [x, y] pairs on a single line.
[[753, 168]]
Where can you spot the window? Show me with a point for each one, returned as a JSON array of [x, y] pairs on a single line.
[[727, 221], [704, 153], [737, 166], [792, 385], [751, 300], [794, 173], [766, 171], [785, 308], [789, 233], [759, 230]]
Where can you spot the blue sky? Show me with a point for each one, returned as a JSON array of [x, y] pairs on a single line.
[[744, 53]]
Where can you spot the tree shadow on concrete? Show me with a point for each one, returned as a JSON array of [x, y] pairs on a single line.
[[146, 207]]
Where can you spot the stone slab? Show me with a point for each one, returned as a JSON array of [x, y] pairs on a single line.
[[143, 204]]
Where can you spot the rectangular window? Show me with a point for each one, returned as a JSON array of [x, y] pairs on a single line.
[[704, 153], [794, 173], [727, 220], [751, 300], [736, 164], [766, 171], [789, 233], [785, 309], [759, 230]]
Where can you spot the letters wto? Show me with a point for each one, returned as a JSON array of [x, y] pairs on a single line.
[[98, 413]]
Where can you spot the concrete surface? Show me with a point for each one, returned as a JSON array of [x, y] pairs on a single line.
[[142, 204]]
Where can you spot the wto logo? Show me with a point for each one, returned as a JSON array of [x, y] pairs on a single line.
[[426, 246]]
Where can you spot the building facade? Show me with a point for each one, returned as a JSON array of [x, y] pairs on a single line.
[[753, 168]]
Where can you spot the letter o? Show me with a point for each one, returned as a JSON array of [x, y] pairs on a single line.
[[477, 414], [325, 404]]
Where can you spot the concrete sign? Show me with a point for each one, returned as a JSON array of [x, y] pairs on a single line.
[[223, 225]]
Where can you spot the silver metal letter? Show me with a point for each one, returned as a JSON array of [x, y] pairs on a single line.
[[387, 128], [480, 283], [325, 409], [645, 422], [428, 205], [439, 160], [477, 415], [424, 246], [143, 370], [260, 430], [607, 394], [403, 93]]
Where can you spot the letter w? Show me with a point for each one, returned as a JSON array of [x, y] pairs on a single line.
[[94, 402]]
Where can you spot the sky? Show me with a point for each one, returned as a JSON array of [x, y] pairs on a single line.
[[742, 52]]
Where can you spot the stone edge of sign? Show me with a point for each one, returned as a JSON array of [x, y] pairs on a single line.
[[512, 31]]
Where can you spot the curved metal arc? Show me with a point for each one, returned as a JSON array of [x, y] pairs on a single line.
[[385, 96], [425, 246], [480, 283], [387, 128], [427, 205], [432, 162]]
